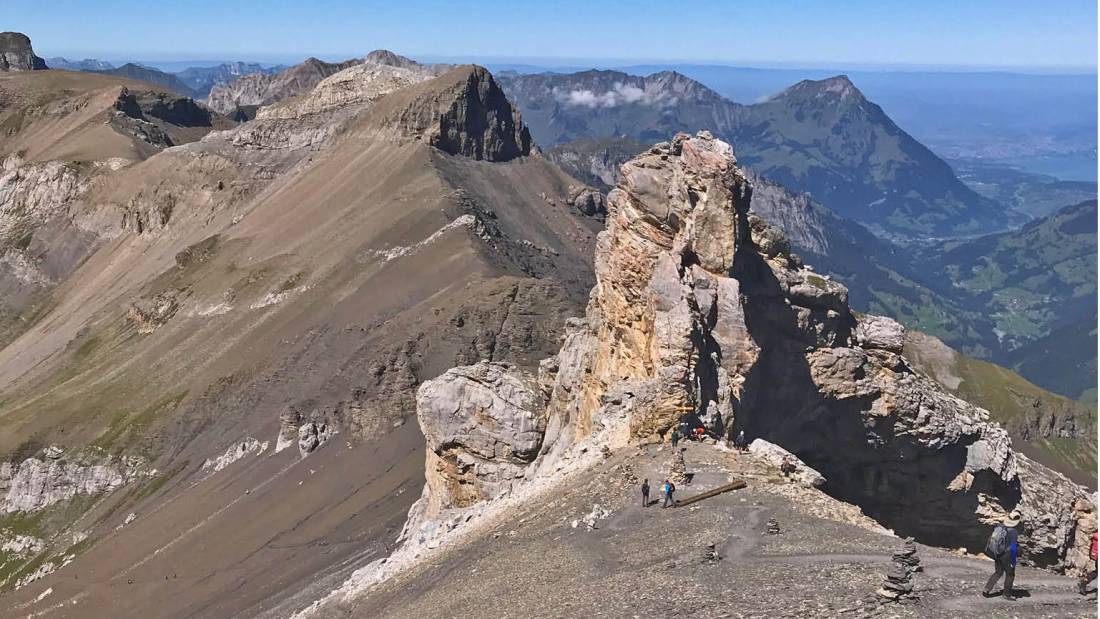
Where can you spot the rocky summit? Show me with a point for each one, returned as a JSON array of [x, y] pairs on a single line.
[[16, 53], [341, 341], [700, 308]]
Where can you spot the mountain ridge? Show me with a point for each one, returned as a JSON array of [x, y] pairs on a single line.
[[820, 137]]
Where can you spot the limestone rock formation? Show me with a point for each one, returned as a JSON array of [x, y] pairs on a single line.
[[879, 332], [16, 53], [362, 83], [387, 58], [700, 309], [484, 424], [462, 112], [37, 483], [588, 200], [257, 89], [774, 454]]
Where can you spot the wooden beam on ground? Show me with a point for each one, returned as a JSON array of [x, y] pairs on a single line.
[[736, 484]]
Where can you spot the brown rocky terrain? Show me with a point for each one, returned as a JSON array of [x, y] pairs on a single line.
[[700, 312], [207, 387], [288, 282], [712, 559]]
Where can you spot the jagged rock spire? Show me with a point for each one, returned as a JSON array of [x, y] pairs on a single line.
[[700, 309]]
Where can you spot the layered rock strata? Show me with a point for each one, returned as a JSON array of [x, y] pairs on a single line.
[[700, 310]]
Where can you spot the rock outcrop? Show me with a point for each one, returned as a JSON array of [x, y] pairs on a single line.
[[775, 455], [359, 84], [37, 483], [256, 89], [463, 112], [16, 53], [484, 424], [701, 310]]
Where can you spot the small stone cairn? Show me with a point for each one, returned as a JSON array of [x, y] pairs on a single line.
[[773, 526], [898, 585], [711, 555]]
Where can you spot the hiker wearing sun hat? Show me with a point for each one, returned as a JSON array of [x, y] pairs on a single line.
[[1002, 548]]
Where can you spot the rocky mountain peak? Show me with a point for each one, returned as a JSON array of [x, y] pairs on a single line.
[[680, 85], [16, 53], [386, 57], [837, 88], [701, 312], [462, 112]]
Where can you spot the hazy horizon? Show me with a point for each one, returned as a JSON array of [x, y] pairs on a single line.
[[938, 34]]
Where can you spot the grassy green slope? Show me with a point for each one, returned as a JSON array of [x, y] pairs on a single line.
[[1052, 429]]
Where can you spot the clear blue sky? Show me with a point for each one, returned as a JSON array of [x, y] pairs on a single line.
[[984, 33]]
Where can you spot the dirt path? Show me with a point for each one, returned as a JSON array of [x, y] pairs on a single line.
[[973, 572], [745, 534]]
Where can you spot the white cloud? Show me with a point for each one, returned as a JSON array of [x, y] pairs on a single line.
[[620, 94]]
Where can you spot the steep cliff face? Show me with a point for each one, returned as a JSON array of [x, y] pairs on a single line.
[[700, 310], [16, 53], [262, 304], [463, 112]]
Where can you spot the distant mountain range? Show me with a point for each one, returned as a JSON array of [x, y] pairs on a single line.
[[88, 64], [193, 81], [153, 76], [820, 137], [202, 79], [1007, 297]]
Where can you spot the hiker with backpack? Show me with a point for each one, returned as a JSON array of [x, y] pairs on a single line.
[[645, 493], [668, 488], [742, 444], [1086, 585], [1002, 548]]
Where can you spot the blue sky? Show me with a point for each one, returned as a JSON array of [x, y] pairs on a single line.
[[928, 33]]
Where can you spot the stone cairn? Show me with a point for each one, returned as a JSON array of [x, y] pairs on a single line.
[[898, 585], [711, 555], [773, 526]]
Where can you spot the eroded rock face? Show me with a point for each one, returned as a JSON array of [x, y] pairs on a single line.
[[465, 112], [701, 309], [257, 89], [16, 53], [775, 455], [665, 332], [34, 483], [484, 424], [879, 332]]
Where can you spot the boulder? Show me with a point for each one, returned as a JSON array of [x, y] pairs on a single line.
[[879, 332], [774, 454], [483, 424]]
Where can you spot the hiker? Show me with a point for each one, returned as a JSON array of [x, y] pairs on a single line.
[[787, 467], [1002, 549], [645, 493], [675, 437], [668, 489], [699, 432], [741, 443], [1090, 574]]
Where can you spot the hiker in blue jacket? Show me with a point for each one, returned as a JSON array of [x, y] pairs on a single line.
[[1003, 548]]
